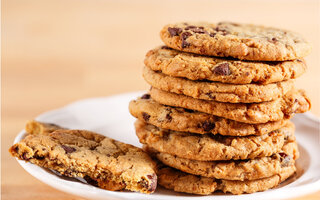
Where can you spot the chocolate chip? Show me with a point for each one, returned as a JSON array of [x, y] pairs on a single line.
[[285, 159], [165, 47], [209, 94], [222, 69], [190, 27], [299, 60], [283, 155], [274, 40], [200, 31], [165, 135], [39, 157], [168, 114], [208, 126], [212, 34], [68, 149], [16, 149], [168, 117], [145, 96], [184, 36], [220, 30], [24, 156], [224, 33], [153, 185], [196, 29], [174, 31], [145, 116]]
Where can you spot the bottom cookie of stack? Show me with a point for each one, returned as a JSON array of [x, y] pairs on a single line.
[[182, 182]]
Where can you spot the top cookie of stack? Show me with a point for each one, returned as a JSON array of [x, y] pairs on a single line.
[[242, 41]]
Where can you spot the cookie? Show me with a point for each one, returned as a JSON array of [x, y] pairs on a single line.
[[105, 162], [233, 170], [180, 119], [182, 182], [242, 41], [196, 67], [209, 147], [35, 127], [294, 101], [222, 92]]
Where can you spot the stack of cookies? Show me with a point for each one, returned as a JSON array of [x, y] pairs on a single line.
[[217, 114]]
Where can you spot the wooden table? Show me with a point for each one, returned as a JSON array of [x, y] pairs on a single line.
[[56, 52]]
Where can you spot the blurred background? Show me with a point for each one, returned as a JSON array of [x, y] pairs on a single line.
[[56, 52]]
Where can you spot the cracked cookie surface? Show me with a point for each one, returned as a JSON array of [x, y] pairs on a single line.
[[213, 147], [242, 41], [180, 119], [182, 182], [233, 170], [295, 101], [246, 93], [107, 163], [196, 67]]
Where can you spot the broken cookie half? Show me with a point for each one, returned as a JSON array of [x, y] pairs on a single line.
[[102, 161]]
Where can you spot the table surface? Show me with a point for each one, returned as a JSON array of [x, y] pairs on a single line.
[[57, 52]]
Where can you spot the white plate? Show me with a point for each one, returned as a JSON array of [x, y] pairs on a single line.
[[109, 116]]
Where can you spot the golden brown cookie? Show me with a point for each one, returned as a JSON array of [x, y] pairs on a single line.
[[222, 92], [294, 101], [213, 147], [182, 182], [181, 119], [233, 170], [196, 67], [242, 41], [105, 162]]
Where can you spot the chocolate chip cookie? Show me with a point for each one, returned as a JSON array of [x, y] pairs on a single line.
[[294, 101], [222, 92], [196, 67], [242, 41], [209, 147], [181, 119], [182, 182], [102, 161], [233, 170]]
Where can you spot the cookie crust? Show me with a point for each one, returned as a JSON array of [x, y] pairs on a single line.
[[105, 162], [246, 93], [182, 182], [196, 67], [233, 170], [295, 101], [180, 119], [210, 148], [242, 41]]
